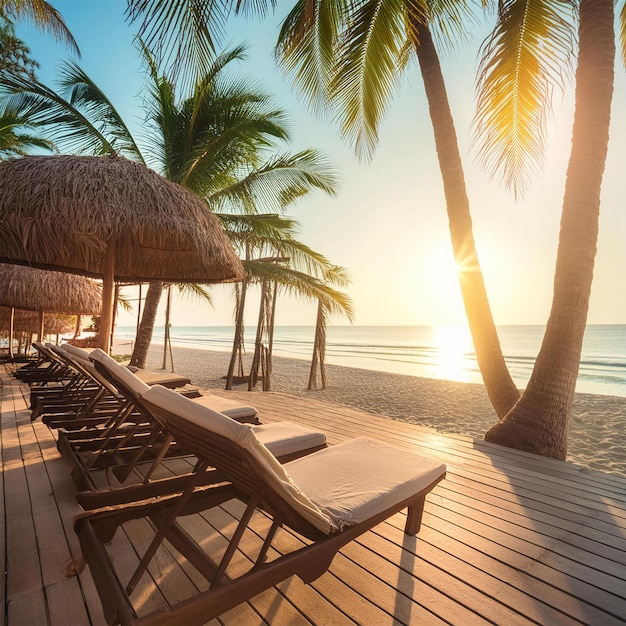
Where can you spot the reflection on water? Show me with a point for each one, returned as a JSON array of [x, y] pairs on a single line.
[[436, 352]]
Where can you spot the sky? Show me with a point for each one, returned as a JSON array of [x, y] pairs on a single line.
[[387, 225]]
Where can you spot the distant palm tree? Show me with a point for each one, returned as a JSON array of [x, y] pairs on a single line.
[[333, 276], [275, 259]]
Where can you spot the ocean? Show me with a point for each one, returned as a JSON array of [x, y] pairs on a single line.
[[429, 351]]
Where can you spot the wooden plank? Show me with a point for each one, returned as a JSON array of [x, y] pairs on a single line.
[[24, 594]]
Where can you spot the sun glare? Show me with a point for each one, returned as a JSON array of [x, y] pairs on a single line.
[[453, 345]]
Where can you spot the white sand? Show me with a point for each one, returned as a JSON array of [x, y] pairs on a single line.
[[597, 430]]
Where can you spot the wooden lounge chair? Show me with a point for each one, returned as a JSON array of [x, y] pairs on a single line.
[[329, 497], [286, 440]]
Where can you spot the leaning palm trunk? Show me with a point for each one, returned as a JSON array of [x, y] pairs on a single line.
[[319, 349], [146, 327], [539, 421], [499, 385], [236, 357]]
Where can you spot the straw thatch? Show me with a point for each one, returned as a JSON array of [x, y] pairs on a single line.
[[61, 212], [41, 290], [28, 322]]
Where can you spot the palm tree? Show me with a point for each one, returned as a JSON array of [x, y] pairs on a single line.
[[275, 259], [539, 421], [214, 143], [337, 276], [43, 15], [353, 59], [352, 54]]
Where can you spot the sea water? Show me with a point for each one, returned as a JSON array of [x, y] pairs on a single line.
[[431, 351]]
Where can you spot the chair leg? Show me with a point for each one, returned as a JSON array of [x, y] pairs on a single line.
[[414, 516]]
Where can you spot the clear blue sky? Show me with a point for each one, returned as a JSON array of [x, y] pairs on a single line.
[[388, 224]]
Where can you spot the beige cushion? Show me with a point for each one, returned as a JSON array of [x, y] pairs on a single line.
[[355, 480], [160, 378], [229, 407], [285, 438]]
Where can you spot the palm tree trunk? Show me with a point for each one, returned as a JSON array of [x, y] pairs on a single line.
[[540, 420], [500, 387], [146, 327], [166, 337], [267, 379], [319, 349], [258, 342], [238, 339]]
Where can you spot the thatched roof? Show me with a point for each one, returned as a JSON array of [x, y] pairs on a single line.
[[28, 321], [60, 212], [42, 290]]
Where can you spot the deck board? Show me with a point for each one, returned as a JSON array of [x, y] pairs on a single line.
[[508, 538]]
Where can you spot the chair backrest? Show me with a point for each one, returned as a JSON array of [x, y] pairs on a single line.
[[118, 373], [235, 450], [76, 351], [78, 360]]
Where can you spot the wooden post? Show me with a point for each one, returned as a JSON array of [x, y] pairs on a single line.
[[108, 288], [11, 331]]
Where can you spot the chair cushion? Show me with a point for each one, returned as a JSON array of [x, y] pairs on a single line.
[[285, 438], [229, 407], [355, 480]]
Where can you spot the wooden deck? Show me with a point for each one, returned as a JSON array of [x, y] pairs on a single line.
[[507, 538]]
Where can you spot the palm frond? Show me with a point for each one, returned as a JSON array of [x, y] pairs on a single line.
[[525, 57], [449, 21], [278, 183], [370, 57], [300, 285], [84, 95], [18, 134], [184, 35], [65, 124], [196, 291], [42, 15], [306, 45]]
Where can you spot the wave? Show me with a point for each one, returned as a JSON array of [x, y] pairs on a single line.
[[422, 351]]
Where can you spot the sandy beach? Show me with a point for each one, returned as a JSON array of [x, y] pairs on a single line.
[[597, 430]]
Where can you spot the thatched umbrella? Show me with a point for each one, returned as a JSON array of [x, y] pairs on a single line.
[[53, 292], [28, 322], [112, 218]]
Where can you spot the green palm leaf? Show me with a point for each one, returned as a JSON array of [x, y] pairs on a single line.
[[306, 47], [370, 58], [522, 61]]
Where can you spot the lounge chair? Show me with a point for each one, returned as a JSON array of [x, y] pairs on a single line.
[[329, 497], [286, 440]]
